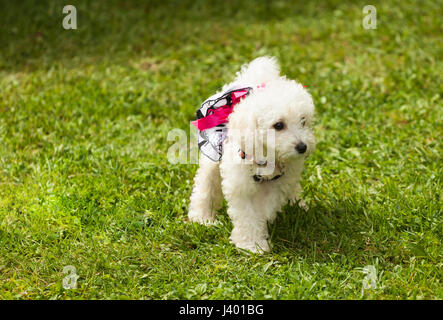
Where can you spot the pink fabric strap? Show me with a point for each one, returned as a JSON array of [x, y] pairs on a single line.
[[217, 117], [221, 114]]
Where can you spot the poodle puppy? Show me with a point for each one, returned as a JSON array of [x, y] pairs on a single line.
[[254, 186]]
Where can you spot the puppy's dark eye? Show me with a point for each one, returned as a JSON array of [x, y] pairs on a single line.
[[279, 126], [303, 121]]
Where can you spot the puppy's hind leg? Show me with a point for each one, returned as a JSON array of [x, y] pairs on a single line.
[[206, 195]]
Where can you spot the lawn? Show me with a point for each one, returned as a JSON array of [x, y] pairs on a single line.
[[84, 176]]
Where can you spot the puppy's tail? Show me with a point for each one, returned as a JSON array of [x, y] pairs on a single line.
[[259, 71]]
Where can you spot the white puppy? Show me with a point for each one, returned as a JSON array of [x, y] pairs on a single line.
[[256, 188]]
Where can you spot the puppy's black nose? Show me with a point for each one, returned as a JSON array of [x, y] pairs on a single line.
[[301, 147]]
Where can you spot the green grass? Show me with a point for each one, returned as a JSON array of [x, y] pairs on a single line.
[[84, 180]]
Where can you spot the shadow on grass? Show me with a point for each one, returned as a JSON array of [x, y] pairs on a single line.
[[321, 233]]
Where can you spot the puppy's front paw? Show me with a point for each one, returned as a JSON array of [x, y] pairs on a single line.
[[206, 219], [258, 246], [301, 203]]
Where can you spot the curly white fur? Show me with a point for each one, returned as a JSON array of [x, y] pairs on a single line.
[[252, 204]]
